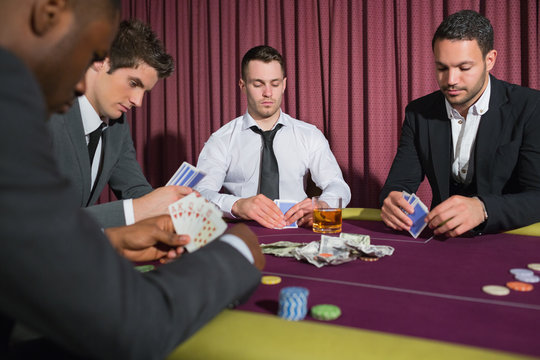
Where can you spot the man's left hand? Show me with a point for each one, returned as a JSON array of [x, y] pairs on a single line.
[[301, 212], [455, 216], [149, 239]]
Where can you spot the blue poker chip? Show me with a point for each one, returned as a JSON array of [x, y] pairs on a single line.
[[293, 303], [531, 279], [526, 272]]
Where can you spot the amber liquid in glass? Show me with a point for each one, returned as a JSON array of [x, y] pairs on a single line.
[[327, 220]]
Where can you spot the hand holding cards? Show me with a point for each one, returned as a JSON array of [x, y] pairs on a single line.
[[419, 214], [284, 206], [197, 217], [186, 175]]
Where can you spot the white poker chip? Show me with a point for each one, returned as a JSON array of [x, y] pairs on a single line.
[[496, 290], [531, 279], [521, 272], [534, 266]]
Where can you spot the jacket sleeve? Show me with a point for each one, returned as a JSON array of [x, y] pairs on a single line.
[[59, 274]]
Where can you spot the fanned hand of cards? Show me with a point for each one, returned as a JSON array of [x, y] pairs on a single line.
[[284, 206], [197, 217], [186, 175], [419, 214]]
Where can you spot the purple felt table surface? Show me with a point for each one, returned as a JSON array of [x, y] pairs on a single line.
[[428, 288]]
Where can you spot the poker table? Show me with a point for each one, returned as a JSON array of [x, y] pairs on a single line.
[[424, 301]]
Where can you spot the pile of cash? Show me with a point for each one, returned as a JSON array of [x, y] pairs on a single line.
[[330, 249]]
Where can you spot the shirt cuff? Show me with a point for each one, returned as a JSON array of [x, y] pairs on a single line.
[[227, 204], [239, 245], [129, 213]]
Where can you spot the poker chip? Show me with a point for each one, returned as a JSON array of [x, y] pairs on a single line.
[[270, 280], [293, 303], [519, 286], [534, 266], [369, 258], [496, 290], [532, 279], [521, 272], [325, 312], [145, 268]]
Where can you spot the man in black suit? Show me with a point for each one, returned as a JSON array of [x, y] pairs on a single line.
[[59, 274], [476, 140], [136, 62]]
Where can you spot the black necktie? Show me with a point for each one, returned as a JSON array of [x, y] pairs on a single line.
[[269, 180], [93, 141]]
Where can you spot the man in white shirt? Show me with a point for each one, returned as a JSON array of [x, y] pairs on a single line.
[[136, 62], [236, 157], [476, 140]]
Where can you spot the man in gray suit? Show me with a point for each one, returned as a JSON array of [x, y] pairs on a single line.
[[136, 62]]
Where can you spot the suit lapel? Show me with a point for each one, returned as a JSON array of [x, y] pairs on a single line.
[[75, 129], [489, 131], [440, 146]]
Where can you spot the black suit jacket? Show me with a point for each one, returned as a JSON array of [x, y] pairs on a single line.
[[506, 158], [60, 276], [120, 168]]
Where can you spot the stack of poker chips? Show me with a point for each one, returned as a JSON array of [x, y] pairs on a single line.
[[293, 303]]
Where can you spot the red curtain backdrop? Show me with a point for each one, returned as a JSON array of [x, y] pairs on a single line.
[[352, 67]]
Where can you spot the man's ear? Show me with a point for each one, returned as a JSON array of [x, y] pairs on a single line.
[[46, 14]]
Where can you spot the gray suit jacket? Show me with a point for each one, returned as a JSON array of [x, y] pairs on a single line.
[[120, 168], [506, 158], [60, 276]]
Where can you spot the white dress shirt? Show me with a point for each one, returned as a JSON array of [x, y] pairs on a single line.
[[464, 132], [91, 121], [231, 159]]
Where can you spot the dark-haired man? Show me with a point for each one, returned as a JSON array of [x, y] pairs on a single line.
[[59, 274], [476, 140], [232, 157], [137, 60]]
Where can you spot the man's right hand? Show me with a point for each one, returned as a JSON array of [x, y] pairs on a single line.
[[261, 209], [157, 202], [392, 213], [244, 232]]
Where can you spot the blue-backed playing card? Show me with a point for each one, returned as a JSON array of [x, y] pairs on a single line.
[[186, 175], [284, 206], [419, 214]]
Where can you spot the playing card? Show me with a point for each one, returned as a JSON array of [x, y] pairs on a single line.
[[284, 206], [195, 216], [418, 216], [186, 175]]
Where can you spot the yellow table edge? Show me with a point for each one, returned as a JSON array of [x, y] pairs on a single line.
[[375, 215], [238, 335]]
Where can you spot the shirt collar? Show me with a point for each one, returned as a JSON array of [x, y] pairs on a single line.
[[90, 118], [479, 108], [248, 121]]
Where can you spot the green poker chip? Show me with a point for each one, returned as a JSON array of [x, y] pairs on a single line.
[[325, 312], [145, 268]]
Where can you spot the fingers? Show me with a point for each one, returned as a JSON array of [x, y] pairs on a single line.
[[392, 211], [301, 212], [261, 209], [455, 216]]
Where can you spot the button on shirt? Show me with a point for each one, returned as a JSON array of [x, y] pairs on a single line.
[[91, 121], [464, 132], [231, 159]]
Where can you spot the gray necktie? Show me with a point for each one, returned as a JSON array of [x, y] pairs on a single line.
[[269, 180]]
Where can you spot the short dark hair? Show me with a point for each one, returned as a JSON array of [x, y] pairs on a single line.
[[263, 53], [466, 25], [136, 43]]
